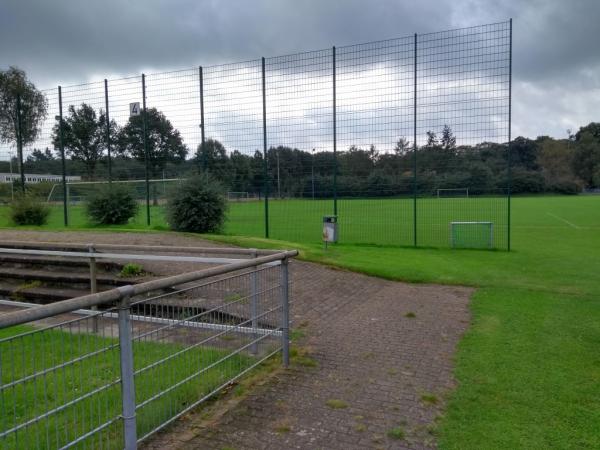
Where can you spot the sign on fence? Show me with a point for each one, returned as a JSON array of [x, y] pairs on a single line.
[[134, 109]]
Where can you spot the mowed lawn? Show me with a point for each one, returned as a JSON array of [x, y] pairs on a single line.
[[528, 369]]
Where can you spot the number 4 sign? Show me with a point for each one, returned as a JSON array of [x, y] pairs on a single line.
[[134, 109]]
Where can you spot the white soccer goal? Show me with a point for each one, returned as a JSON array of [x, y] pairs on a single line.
[[471, 234], [453, 193], [78, 191], [237, 196]]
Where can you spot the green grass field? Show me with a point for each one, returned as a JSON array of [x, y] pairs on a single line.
[[96, 379], [529, 366]]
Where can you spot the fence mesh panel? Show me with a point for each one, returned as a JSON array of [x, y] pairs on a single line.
[[333, 131]]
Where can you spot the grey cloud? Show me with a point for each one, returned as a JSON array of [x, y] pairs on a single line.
[[66, 41]]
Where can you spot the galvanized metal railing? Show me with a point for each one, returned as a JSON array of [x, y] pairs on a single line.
[[71, 377]]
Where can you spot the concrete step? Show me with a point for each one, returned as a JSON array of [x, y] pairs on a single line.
[[39, 294], [35, 260], [54, 276]]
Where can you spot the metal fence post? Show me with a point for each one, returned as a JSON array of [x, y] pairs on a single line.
[[146, 157], [254, 301], [285, 313], [63, 161], [127, 368], [202, 131], [107, 117], [509, 155], [415, 148], [20, 142], [93, 284], [266, 164], [335, 161]]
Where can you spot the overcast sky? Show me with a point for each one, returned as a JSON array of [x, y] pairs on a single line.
[[556, 68]]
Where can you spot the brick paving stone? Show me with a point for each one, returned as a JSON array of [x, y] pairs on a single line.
[[370, 356]]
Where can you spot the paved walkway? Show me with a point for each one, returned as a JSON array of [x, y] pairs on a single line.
[[383, 353]]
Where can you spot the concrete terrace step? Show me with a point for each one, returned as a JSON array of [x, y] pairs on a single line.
[[40, 294], [62, 277], [34, 260]]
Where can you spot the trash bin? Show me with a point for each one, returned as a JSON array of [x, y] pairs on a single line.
[[330, 230]]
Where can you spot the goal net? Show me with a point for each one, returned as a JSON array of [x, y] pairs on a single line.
[[237, 196], [471, 234], [453, 193], [79, 191]]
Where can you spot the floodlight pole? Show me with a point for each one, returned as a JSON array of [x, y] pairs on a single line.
[[312, 170]]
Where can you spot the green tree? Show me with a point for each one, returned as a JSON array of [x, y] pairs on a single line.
[[212, 156], [34, 106], [165, 143], [84, 136], [448, 140]]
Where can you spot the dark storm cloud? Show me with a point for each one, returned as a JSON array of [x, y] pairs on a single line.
[[556, 60]]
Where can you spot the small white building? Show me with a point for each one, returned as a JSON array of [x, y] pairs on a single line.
[[36, 178]]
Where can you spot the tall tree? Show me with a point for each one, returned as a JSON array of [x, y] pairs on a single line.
[[83, 136], [165, 143], [448, 140], [33, 109]]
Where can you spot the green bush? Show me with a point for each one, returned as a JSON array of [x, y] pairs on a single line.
[[111, 205], [197, 205], [27, 210]]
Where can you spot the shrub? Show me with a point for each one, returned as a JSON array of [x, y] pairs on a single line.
[[111, 205], [27, 210], [131, 270], [197, 205]]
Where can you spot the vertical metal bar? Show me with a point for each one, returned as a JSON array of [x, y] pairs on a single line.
[[146, 158], [127, 376], [509, 148], [335, 161], [108, 143], [20, 142], [415, 148], [285, 313], [93, 284], [254, 302], [266, 166], [62, 159], [202, 147]]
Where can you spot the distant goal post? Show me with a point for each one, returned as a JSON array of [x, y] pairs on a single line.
[[78, 191], [472, 235], [453, 193]]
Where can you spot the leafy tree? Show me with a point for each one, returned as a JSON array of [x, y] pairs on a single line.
[[212, 156], [432, 140], [586, 161], [448, 139], [402, 147], [34, 106], [84, 136], [165, 143], [40, 156]]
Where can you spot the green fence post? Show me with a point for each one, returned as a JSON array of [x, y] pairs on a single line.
[[146, 158], [509, 156], [62, 159], [415, 148], [20, 143], [335, 162], [108, 144], [266, 167]]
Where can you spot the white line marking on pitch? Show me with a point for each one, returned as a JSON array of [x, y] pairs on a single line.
[[564, 220]]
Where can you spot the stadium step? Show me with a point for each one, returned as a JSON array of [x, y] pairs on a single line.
[[33, 260], [61, 277]]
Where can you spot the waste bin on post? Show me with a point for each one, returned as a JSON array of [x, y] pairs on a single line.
[[330, 230]]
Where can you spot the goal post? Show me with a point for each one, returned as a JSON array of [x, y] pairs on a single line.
[[234, 196], [79, 191], [453, 193], [472, 235]]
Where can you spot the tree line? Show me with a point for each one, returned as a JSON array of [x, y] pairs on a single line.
[[537, 165]]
